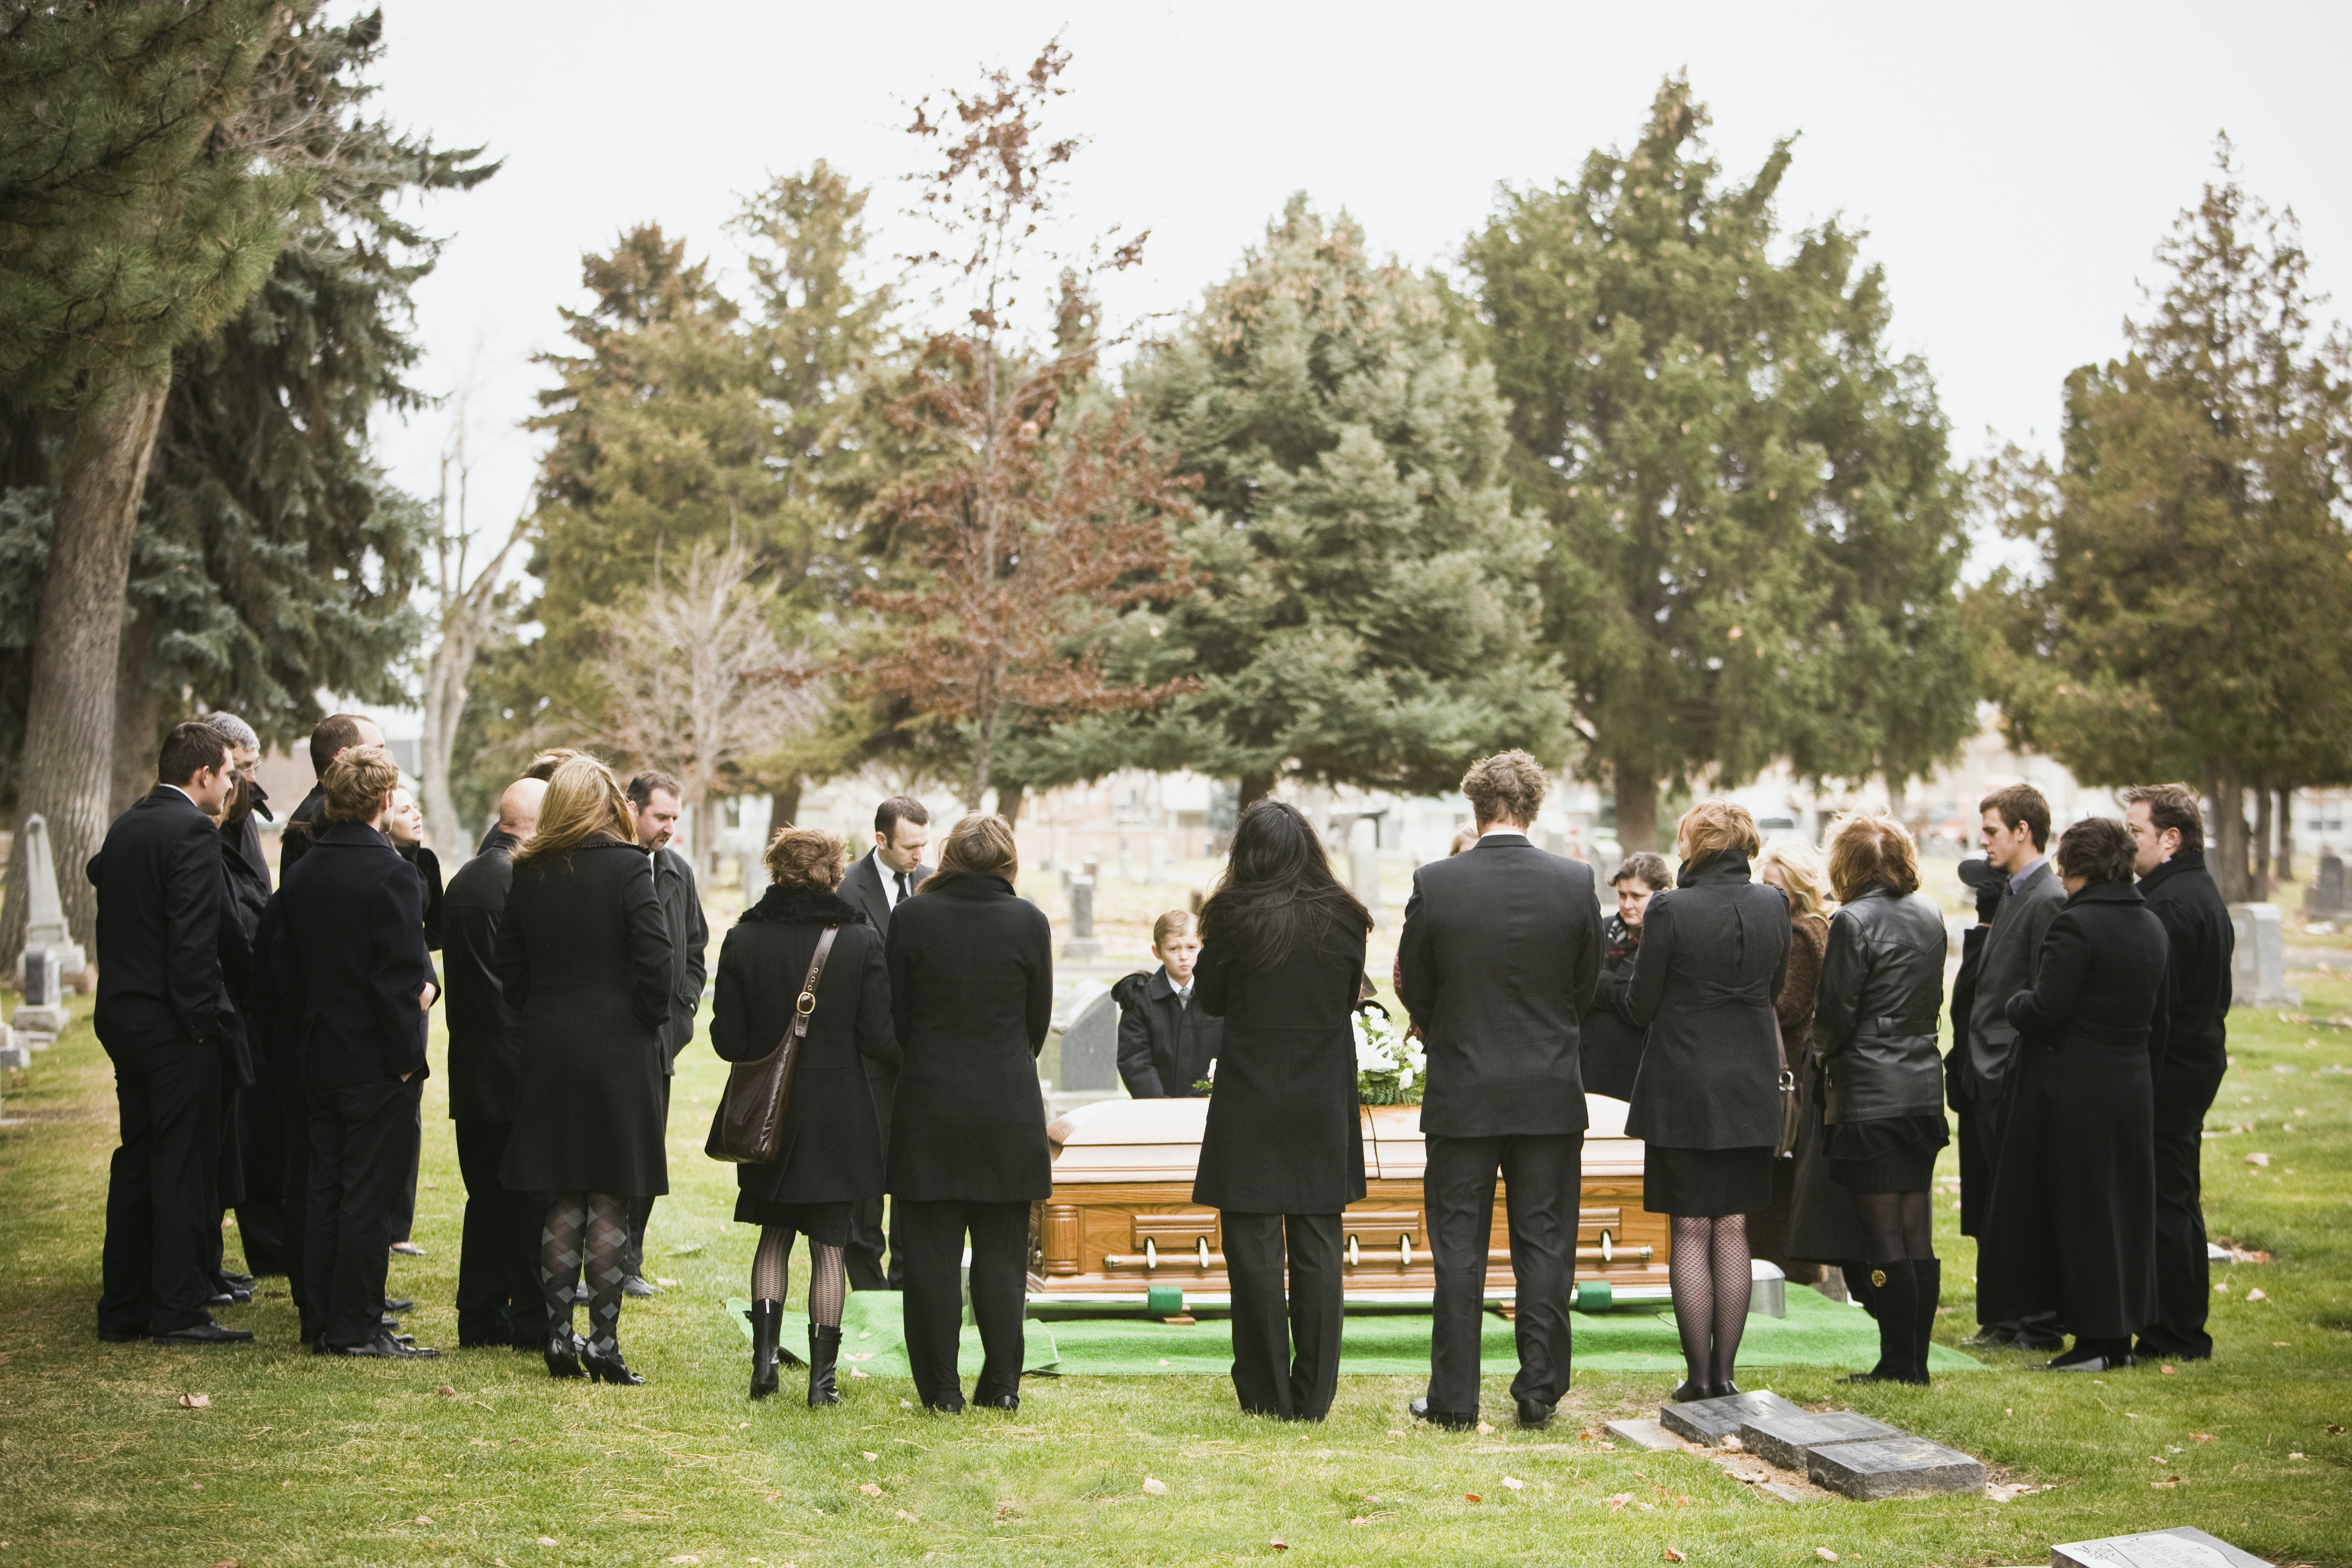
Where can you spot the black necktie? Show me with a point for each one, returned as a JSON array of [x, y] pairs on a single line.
[[902, 886]]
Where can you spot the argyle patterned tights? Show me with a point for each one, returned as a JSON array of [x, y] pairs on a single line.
[[590, 1230]]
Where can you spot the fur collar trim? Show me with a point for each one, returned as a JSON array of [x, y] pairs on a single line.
[[784, 905]]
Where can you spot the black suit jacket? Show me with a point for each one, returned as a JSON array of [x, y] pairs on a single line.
[[2203, 945], [303, 826], [485, 1059], [1498, 962], [690, 938], [862, 889], [1165, 1045], [162, 897], [349, 959]]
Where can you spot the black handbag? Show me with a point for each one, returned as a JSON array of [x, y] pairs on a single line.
[[1792, 1114], [747, 1129]]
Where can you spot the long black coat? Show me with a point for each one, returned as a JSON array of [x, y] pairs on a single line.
[[1714, 952], [1165, 1044], [484, 1053], [1498, 960], [2071, 1227], [971, 996], [1874, 1014], [584, 961], [689, 937], [1285, 1130], [350, 961], [2202, 945], [1613, 1047], [2009, 961], [161, 890], [833, 1136]]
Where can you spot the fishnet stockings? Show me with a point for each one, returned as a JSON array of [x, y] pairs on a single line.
[[771, 1274], [1710, 1276], [590, 1231]]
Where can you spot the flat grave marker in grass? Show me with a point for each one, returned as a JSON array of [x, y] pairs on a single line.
[[1788, 1440], [1710, 1421], [2184, 1546], [1901, 1466]]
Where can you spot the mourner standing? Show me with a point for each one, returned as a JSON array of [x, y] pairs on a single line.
[[882, 878], [1500, 954], [1986, 884], [1707, 1106], [1282, 960], [2169, 854], [971, 996], [1613, 1047], [334, 735], [1812, 1221], [405, 828], [654, 802], [1165, 1043], [253, 1145]]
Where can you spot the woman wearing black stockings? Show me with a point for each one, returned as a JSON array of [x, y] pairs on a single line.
[[832, 1154], [1707, 1102], [1881, 1082], [583, 958]]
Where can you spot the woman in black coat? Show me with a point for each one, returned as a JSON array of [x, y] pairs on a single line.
[[1707, 1102], [971, 993], [1611, 1053], [584, 959], [1881, 1081], [1282, 962], [832, 1155], [2071, 1227]]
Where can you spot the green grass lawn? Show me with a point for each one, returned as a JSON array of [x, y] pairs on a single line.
[[297, 1459]]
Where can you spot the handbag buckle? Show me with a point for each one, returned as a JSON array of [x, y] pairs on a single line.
[[806, 1004]]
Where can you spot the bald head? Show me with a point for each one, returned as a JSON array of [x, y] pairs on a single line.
[[518, 807]]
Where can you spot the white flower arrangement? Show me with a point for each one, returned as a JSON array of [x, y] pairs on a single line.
[[1388, 1065]]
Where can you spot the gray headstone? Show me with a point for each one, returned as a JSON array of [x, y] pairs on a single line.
[[2327, 895], [1084, 945], [1650, 1434], [1091, 1047], [42, 1015], [15, 1053], [2182, 1547], [1711, 1421], [1893, 1467], [1788, 1440], [2258, 969], [45, 912]]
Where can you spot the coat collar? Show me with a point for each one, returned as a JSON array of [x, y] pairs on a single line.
[[970, 885], [354, 836], [783, 904], [2182, 863], [499, 842], [1723, 868], [2122, 892]]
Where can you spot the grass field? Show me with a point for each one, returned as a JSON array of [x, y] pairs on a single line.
[[301, 1460]]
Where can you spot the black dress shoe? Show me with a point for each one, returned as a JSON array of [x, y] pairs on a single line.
[[639, 1286], [1535, 1412], [383, 1347], [1419, 1411], [1000, 1402], [229, 1298], [235, 1281], [2078, 1360], [398, 1304], [205, 1334]]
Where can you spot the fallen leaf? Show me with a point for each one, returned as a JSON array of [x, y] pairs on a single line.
[[2282, 1344], [196, 1485], [2258, 1158], [860, 1372], [422, 1519], [286, 1486], [547, 1540], [1484, 1429], [1470, 1497], [903, 1516], [1279, 1544], [1153, 1488], [861, 1355], [2167, 1370], [742, 1425], [682, 1557], [867, 1454], [1515, 1483], [1360, 1519], [2256, 1295], [2294, 1456], [1606, 1447], [2333, 1430], [2165, 1485], [1734, 1445], [195, 1401], [1824, 1554], [870, 1489], [1675, 1556], [2200, 1437]]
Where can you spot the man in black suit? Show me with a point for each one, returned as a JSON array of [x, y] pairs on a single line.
[[499, 1300], [880, 880], [655, 798], [335, 735], [164, 1017], [353, 982], [2169, 854], [1498, 960]]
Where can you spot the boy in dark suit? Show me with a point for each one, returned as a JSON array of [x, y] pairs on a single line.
[[1166, 1044]]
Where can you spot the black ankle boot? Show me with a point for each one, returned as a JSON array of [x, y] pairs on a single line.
[[1895, 1290], [602, 1357], [1928, 1280], [562, 1351], [767, 1320], [825, 1350]]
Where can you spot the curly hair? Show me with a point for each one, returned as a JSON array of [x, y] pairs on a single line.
[[356, 781], [1870, 849], [1714, 826], [1506, 788], [2097, 849], [805, 858]]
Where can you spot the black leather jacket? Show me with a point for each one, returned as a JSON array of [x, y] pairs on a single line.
[[1875, 1015]]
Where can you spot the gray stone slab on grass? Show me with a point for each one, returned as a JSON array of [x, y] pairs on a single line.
[[1780, 1491], [1785, 1440], [1713, 1420], [2183, 1547], [1651, 1435], [1893, 1467]]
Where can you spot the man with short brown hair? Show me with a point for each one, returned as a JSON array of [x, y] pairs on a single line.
[[656, 800], [334, 735]]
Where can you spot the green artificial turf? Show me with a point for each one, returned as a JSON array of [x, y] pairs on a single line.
[[478, 1458]]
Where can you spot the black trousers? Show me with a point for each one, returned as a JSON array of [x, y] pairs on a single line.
[[2184, 1282], [359, 1155], [1286, 1343], [1542, 1179], [293, 1102], [641, 1209], [162, 1211], [497, 1260], [261, 1212], [931, 1237], [863, 1253], [403, 1196]]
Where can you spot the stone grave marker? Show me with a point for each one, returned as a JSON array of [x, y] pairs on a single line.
[[45, 912], [1786, 1441], [2258, 967], [42, 1016], [1650, 1434], [2327, 896], [1900, 1466], [2181, 1547], [1710, 1421]]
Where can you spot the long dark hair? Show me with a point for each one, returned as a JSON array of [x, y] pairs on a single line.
[[1277, 886]]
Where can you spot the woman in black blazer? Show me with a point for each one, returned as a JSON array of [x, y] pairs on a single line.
[[1282, 959], [1707, 1100], [971, 993], [832, 1154], [2071, 1227], [584, 959]]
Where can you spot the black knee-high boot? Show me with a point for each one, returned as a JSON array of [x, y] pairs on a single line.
[[1927, 1282], [767, 1319], [825, 1354], [1895, 1290]]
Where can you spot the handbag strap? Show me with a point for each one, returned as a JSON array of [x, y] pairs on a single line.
[[1781, 1046], [807, 1003]]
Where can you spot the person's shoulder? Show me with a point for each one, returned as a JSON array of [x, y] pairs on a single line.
[[1129, 989]]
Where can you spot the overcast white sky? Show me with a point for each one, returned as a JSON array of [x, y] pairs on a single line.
[[2014, 164]]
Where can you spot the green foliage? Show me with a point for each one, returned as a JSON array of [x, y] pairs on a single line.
[[1755, 530], [1368, 603]]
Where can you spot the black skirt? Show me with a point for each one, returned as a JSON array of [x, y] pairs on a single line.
[[1887, 1153], [826, 1224], [1706, 1183]]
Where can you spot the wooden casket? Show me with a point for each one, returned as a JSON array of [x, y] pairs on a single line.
[[1122, 1220]]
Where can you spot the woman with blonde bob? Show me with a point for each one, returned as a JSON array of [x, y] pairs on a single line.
[[1707, 1100], [584, 959], [971, 993], [1882, 990], [831, 1159]]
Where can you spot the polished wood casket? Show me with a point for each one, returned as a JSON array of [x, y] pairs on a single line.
[[1122, 1220]]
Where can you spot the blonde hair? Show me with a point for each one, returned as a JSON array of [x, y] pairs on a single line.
[[1870, 849], [805, 858], [1169, 924], [1714, 826], [583, 802], [1801, 868], [982, 843], [356, 782]]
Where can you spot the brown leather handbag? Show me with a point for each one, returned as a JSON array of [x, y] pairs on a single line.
[[1792, 1112], [748, 1126]]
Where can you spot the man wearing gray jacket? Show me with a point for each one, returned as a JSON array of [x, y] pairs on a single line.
[[2016, 830]]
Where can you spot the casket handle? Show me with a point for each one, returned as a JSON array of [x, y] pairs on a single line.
[[1608, 1245], [1404, 1250], [1355, 1256], [1203, 1244], [1151, 1253]]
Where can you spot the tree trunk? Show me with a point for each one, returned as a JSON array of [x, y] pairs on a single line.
[[66, 770], [1636, 789], [984, 747], [1255, 787], [137, 710], [1009, 797], [2286, 833], [2229, 868], [444, 705], [784, 807], [2261, 880]]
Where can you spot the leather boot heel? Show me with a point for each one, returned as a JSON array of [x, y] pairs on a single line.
[[824, 1352], [767, 1320], [1928, 1280], [563, 1353], [603, 1360]]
